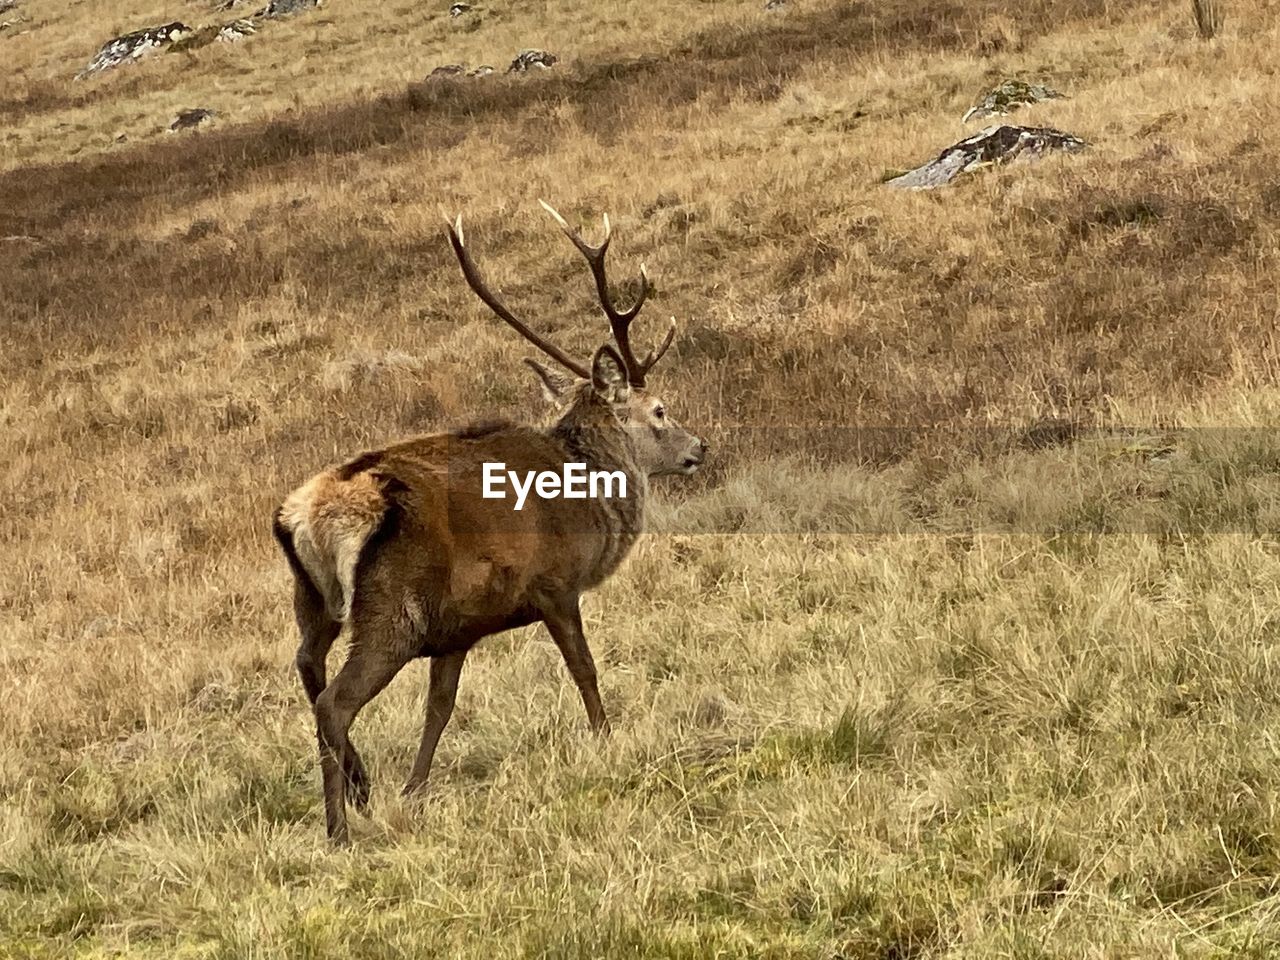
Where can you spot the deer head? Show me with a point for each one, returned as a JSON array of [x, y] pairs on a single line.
[[614, 375]]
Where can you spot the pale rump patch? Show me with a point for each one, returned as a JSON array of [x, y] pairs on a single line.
[[331, 520]]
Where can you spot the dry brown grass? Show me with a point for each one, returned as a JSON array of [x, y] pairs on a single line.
[[840, 733]]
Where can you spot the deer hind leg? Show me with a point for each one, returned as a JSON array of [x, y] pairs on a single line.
[[564, 621], [441, 694], [365, 674], [319, 630]]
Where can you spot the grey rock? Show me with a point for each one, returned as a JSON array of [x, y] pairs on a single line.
[[458, 9], [131, 47], [993, 145], [481, 71]]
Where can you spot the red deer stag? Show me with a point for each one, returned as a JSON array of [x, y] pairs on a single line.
[[409, 546]]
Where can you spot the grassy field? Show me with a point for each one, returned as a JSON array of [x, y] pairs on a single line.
[[964, 646]]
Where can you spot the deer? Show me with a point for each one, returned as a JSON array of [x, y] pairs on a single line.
[[400, 545]]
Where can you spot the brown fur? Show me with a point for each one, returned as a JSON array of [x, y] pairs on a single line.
[[400, 544]]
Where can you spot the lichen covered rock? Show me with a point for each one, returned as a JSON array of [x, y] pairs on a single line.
[[131, 47], [994, 145], [1009, 96]]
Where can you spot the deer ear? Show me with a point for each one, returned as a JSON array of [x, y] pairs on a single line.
[[554, 385], [609, 376]]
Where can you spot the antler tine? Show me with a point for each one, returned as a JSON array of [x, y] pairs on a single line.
[[656, 355], [495, 304], [619, 320]]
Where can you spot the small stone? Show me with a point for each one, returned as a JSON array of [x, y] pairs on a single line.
[[458, 9], [481, 71], [286, 8], [191, 118], [448, 70], [532, 60], [776, 5]]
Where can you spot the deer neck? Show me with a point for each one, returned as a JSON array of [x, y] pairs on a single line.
[[590, 433]]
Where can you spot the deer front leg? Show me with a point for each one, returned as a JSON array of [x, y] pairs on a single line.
[[441, 694], [564, 621]]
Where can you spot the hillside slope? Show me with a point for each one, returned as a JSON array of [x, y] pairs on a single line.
[[934, 660]]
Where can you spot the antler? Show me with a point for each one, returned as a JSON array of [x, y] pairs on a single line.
[[495, 304], [619, 320]]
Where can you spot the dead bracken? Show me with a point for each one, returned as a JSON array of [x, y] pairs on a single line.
[[994, 145]]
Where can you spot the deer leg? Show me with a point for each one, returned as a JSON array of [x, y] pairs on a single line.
[[441, 694], [565, 624], [318, 630], [365, 674]]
